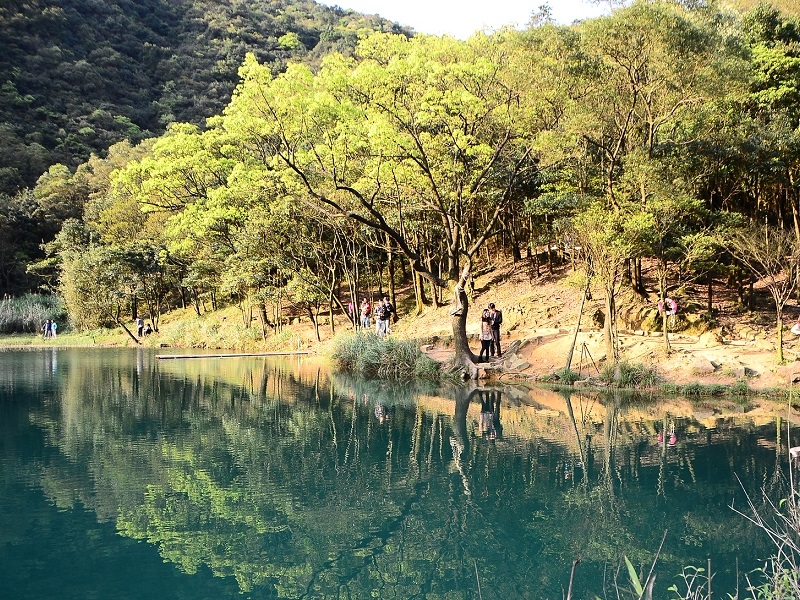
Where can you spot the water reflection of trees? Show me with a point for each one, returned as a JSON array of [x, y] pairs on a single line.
[[284, 478]]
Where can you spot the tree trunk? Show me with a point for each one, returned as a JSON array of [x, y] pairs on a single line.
[[609, 327], [392, 290], [779, 331], [463, 354], [662, 284], [121, 324], [419, 293], [262, 311], [710, 299], [315, 321]]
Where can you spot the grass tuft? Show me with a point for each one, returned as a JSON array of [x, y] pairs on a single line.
[[631, 375], [368, 355]]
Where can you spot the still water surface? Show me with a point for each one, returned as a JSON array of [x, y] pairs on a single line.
[[128, 477]]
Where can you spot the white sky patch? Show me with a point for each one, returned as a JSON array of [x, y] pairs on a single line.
[[461, 18]]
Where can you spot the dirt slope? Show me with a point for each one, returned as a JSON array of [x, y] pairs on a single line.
[[541, 313]]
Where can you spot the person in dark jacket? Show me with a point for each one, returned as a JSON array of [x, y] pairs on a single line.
[[496, 317]]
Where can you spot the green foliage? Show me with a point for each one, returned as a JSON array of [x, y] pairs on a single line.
[[26, 314], [369, 355], [564, 375], [631, 375]]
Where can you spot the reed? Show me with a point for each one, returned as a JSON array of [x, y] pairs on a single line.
[[25, 314], [369, 355]]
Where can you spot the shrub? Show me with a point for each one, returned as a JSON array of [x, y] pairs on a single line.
[[369, 355], [633, 375], [563, 375], [27, 313]]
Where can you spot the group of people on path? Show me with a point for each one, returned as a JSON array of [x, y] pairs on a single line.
[[49, 329], [491, 319], [382, 311]]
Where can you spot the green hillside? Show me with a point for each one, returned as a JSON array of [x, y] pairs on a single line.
[[79, 75]]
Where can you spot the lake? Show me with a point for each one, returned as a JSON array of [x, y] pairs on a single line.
[[124, 476]]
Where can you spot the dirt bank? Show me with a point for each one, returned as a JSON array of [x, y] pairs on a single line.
[[540, 313]]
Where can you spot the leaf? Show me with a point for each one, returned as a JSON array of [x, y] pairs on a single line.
[[637, 585]]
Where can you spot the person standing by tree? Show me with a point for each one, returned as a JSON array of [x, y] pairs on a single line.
[[366, 310], [486, 336], [381, 318], [388, 309], [139, 326], [497, 319]]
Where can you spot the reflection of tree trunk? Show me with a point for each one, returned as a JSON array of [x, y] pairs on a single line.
[[610, 430], [460, 439], [662, 464], [571, 414], [416, 439]]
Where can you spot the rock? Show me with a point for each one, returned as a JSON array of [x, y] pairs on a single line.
[[512, 347], [710, 338], [703, 366], [790, 373], [581, 383], [762, 343], [742, 372], [517, 364], [745, 332]]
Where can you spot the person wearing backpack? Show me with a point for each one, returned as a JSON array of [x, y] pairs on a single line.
[[496, 317]]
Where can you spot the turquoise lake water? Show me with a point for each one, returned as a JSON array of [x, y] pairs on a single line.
[[123, 476]]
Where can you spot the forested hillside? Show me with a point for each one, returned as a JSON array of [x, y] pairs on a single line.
[[79, 75]]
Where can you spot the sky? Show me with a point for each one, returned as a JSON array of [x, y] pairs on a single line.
[[461, 18]]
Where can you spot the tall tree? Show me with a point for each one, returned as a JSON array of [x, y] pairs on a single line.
[[415, 135]]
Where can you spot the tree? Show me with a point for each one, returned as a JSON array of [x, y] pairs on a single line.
[[606, 246], [771, 255], [418, 140]]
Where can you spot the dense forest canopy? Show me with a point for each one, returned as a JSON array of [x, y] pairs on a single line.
[[79, 75], [665, 132]]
